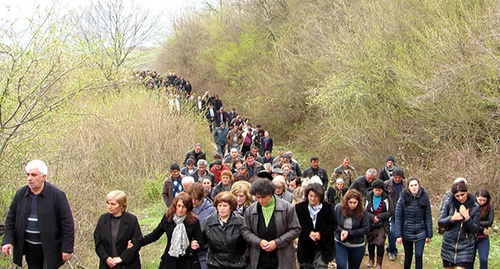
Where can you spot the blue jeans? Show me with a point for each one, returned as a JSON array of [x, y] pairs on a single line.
[[419, 252], [483, 249], [221, 149], [346, 254], [391, 239]]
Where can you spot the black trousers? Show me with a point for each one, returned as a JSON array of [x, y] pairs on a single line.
[[34, 256]]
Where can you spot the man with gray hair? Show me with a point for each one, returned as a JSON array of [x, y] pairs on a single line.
[[39, 223], [363, 183], [202, 171]]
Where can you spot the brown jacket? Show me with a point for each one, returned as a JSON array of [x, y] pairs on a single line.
[[168, 190], [230, 136]]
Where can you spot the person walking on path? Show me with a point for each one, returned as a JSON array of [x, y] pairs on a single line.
[[39, 223]]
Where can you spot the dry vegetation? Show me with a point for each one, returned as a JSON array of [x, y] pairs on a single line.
[[410, 78], [413, 79]]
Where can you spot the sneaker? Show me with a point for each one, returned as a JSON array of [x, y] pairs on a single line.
[[392, 257]]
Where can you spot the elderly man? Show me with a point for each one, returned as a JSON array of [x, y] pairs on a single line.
[[386, 172], [394, 186], [39, 224], [202, 171], [363, 183]]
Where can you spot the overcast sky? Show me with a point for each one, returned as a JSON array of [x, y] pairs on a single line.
[[19, 10]]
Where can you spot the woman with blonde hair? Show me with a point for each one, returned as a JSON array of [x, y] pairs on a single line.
[[226, 181], [241, 190], [112, 233]]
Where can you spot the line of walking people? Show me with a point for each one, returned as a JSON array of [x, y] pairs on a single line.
[[250, 225]]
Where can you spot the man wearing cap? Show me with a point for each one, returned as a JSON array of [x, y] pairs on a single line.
[[393, 187], [172, 186], [220, 117], [220, 138], [276, 172], [253, 167], [386, 172]]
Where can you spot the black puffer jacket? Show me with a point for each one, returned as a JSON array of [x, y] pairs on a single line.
[[459, 238], [413, 216], [227, 249]]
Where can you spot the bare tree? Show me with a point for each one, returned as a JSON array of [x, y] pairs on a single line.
[[39, 67], [111, 30]]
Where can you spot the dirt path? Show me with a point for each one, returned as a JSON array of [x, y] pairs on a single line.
[[386, 264]]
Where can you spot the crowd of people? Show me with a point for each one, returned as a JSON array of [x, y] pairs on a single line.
[[250, 209], [251, 220]]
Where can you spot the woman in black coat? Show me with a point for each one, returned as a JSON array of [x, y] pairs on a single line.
[[380, 209], [461, 221], [112, 233], [316, 247], [183, 233], [413, 222]]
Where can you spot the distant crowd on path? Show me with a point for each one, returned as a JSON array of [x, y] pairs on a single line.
[[248, 209]]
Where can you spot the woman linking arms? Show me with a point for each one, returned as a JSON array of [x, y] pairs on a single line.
[[222, 232], [487, 216], [112, 233], [183, 233]]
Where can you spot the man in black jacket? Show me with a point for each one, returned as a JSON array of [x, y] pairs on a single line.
[[39, 223], [315, 170]]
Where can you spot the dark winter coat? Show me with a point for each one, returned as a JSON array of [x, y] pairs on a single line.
[[388, 210], [487, 221], [188, 260], [390, 188], [220, 136], [55, 220], [196, 156], [129, 229], [227, 249], [360, 227], [325, 225], [459, 238], [361, 184], [320, 172], [413, 216], [331, 194]]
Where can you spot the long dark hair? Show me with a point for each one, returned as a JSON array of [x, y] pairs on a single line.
[[486, 207], [188, 202], [359, 210]]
